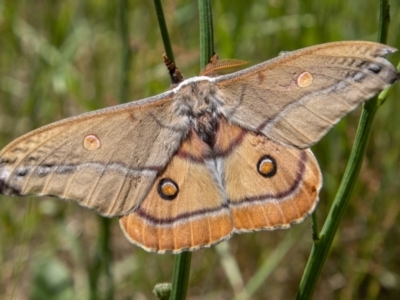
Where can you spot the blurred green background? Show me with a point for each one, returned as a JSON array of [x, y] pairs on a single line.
[[61, 58]]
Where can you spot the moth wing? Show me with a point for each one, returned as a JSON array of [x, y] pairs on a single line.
[[268, 185], [186, 207], [105, 160], [298, 96], [214, 197]]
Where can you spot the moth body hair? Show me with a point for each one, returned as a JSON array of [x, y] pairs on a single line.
[[191, 80], [4, 174], [215, 166]]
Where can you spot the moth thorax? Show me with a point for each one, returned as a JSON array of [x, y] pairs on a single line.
[[197, 98], [200, 101], [206, 127]]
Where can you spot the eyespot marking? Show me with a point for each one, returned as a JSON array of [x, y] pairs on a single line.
[[267, 166], [305, 79], [167, 189], [91, 142]]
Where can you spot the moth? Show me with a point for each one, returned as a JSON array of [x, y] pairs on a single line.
[[209, 158]]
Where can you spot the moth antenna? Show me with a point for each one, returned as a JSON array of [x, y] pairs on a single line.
[[217, 67], [213, 59], [174, 72]]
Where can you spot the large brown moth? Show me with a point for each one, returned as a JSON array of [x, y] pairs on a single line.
[[212, 157]]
